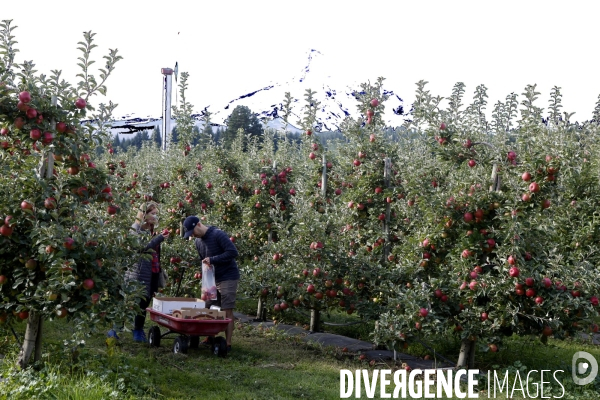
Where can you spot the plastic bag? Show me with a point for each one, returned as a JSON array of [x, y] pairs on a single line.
[[209, 287], [162, 279]]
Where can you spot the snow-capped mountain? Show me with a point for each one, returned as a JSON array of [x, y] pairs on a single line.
[[336, 102]]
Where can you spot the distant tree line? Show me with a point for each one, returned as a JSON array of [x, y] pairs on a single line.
[[241, 121]]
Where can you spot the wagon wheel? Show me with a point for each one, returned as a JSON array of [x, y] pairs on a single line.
[[219, 347], [180, 345], [194, 342], [154, 336]]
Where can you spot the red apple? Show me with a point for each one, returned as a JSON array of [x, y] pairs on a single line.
[[547, 283], [69, 243], [50, 203], [545, 203], [26, 205], [61, 127], [423, 312], [25, 97], [95, 297], [526, 176], [35, 134], [73, 170], [514, 272], [6, 230], [31, 113], [468, 217], [539, 300], [88, 284], [112, 209], [80, 103], [534, 187], [19, 123], [529, 281]]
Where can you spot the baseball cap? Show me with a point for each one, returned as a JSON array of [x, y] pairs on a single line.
[[189, 224]]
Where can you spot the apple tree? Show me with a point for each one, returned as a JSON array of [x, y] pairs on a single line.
[[483, 258], [62, 239]]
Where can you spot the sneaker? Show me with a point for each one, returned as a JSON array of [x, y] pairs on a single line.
[[139, 336], [113, 334], [208, 340]]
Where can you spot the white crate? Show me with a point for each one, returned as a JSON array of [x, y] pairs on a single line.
[[166, 305]]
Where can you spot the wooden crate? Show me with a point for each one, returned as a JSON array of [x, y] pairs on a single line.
[[198, 313]]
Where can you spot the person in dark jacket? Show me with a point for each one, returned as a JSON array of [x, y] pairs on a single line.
[[218, 251], [145, 271]]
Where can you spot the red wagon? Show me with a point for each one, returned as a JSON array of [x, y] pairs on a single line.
[[189, 331]]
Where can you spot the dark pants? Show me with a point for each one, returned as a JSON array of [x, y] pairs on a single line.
[[144, 303]]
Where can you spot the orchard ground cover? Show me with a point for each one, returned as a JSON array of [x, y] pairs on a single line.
[[266, 365]]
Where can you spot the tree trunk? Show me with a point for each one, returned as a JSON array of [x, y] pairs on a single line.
[[261, 311], [466, 358], [315, 320], [31, 333], [38, 342]]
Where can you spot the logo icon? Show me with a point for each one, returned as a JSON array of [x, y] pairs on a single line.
[[582, 367]]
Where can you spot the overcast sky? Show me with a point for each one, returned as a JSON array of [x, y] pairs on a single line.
[[231, 48]]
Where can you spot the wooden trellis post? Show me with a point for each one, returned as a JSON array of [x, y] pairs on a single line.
[[315, 317], [324, 179], [466, 357], [261, 311], [387, 172]]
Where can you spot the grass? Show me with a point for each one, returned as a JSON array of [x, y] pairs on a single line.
[[265, 364], [336, 322]]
